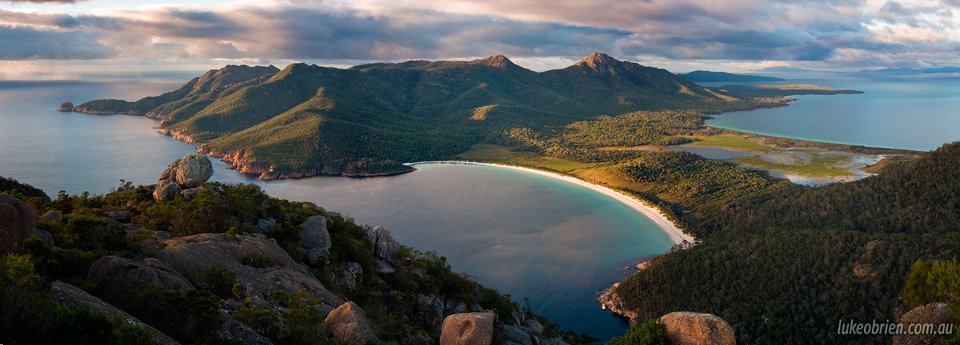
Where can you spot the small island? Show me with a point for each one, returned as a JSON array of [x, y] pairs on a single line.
[[65, 106]]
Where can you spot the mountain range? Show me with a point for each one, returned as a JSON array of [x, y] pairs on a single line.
[[309, 120]]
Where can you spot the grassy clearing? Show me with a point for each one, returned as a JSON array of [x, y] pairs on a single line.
[[732, 142], [504, 154]]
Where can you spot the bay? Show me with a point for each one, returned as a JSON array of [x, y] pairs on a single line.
[[524, 234], [911, 111]]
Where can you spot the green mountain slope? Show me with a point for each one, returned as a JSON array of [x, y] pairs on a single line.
[[307, 120]]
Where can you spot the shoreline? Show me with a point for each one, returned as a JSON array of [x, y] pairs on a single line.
[[668, 227]]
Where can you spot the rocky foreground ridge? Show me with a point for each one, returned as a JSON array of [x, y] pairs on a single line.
[[203, 262]]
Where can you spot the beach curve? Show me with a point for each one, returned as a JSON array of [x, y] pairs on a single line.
[[668, 227]]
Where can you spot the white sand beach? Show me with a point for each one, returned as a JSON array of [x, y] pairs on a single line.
[[668, 227]]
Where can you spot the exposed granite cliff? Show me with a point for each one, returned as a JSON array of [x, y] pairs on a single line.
[[610, 301]]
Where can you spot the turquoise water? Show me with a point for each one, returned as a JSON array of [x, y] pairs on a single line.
[[916, 112], [521, 233]]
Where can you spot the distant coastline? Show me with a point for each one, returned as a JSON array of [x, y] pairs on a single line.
[[668, 227]]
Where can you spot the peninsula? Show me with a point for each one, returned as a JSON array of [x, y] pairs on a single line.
[[308, 120]]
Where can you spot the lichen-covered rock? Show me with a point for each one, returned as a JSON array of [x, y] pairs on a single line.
[[117, 277], [533, 325], [349, 323], [454, 307], [52, 215], [265, 224], [467, 329], [46, 237], [189, 255], [933, 313], [386, 247], [190, 193], [189, 172], [315, 239], [165, 190], [192, 170], [236, 330], [517, 335], [384, 268], [120, 216], [352, 273], [554, 341], [430, 308], [17, 223], [74, 298], [688, 328]]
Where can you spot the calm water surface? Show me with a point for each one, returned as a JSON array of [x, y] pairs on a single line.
[[521, 233], [916, 112]]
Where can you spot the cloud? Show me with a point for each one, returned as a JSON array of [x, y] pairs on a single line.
[[274, 31], [45, 1], [841, 31], [24, 43]]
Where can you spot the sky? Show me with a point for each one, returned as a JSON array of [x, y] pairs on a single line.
[[57, 37]]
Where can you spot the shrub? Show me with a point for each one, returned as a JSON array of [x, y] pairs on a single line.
[[217, 279], [647, 333], [260, 261], [261, 320]]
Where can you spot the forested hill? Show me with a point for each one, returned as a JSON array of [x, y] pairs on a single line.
[[784, 265], [306, 119], [919, 197]]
